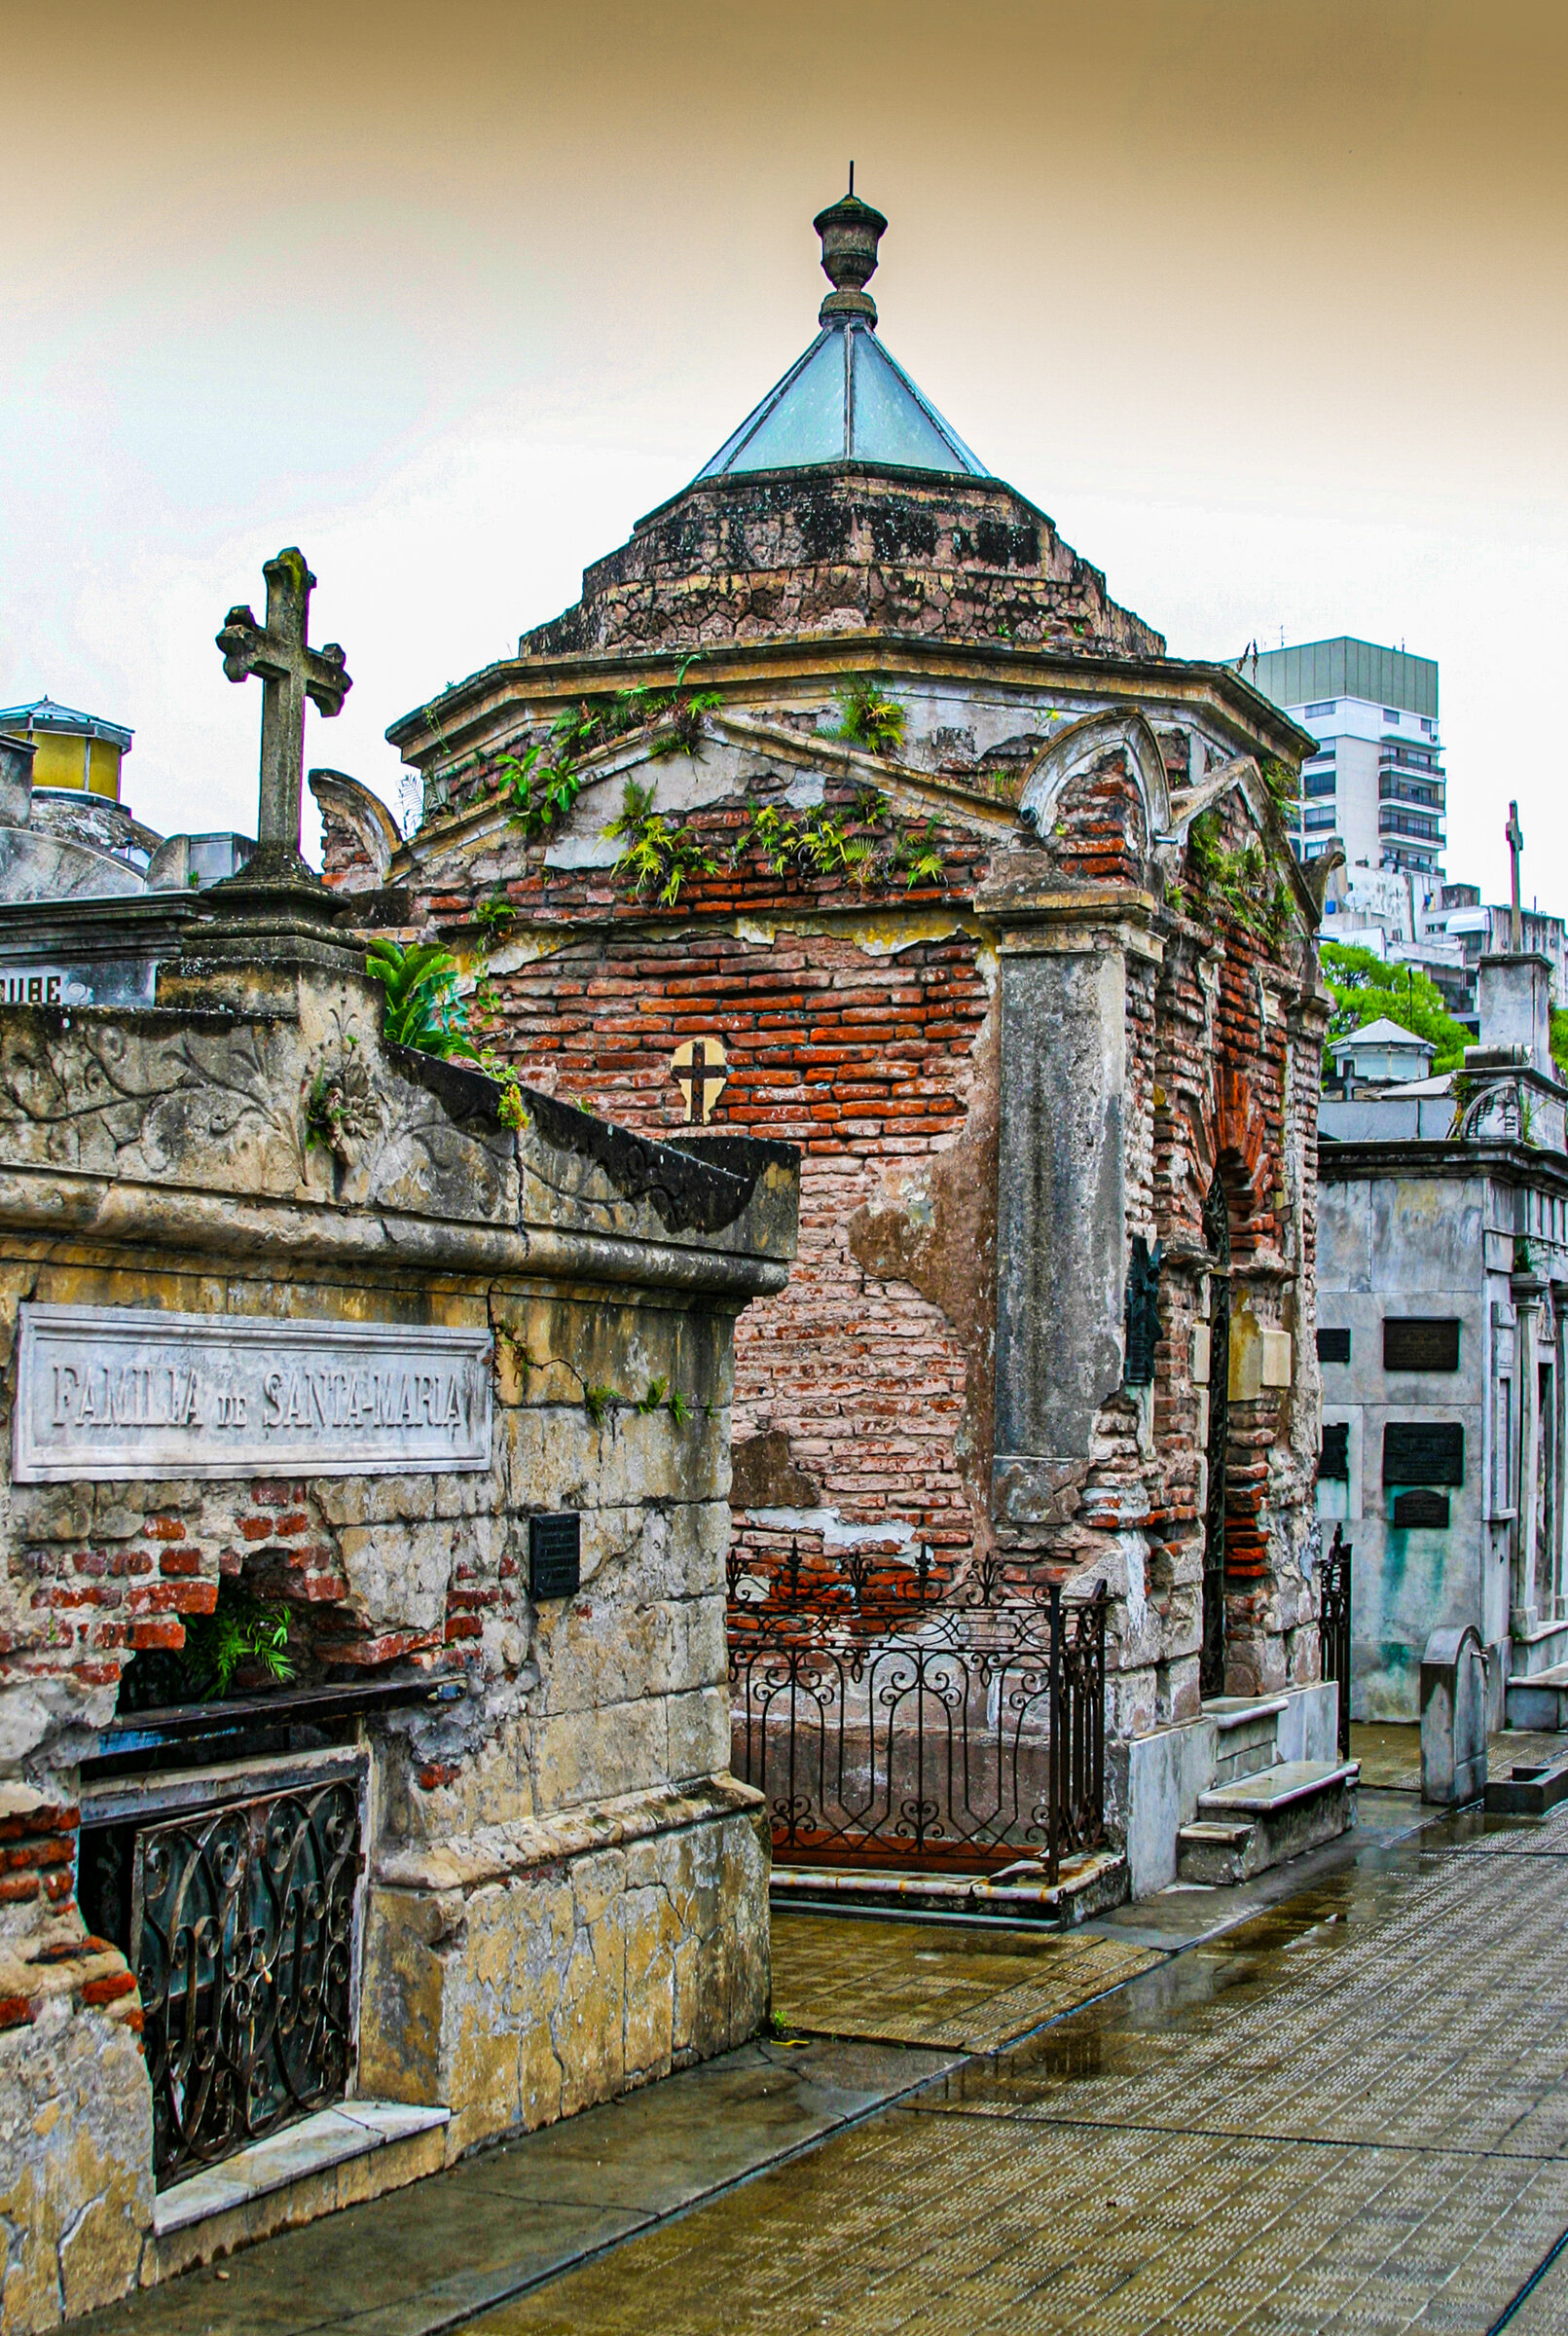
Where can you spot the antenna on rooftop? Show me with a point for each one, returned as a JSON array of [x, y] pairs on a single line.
[[852, 178]]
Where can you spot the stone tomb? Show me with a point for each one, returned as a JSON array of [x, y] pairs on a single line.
[[453, 1398]]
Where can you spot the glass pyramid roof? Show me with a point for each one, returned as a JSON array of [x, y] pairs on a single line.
[[846, 400]]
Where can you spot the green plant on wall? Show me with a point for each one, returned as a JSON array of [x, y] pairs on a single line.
[[869, 718], [657, 856], [423, 1009], [544, 781], [1240, 884], [244, 1643], [868, 844]]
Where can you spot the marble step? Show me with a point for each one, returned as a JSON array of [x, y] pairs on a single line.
[[1539, 1699], [1254, 1822], [1246, 1735]]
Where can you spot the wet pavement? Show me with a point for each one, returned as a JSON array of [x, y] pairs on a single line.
[[1334, 2100], [967, 1987]]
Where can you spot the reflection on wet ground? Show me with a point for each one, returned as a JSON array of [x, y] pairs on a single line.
[[1331, 2100], [918, 1983], [1389, 1752], [1347, 2111]]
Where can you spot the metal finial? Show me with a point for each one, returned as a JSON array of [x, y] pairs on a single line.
[[851, 231]]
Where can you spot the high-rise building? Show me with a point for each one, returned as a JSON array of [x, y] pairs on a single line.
[[1375, 785]]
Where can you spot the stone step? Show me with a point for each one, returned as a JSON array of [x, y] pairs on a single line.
[[1538, 1699], [1089, 1884], [1247, 1735], [336, 2158], [1254, 1822]]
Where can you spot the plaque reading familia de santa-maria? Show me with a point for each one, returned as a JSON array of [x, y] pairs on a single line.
[[111, 1392]]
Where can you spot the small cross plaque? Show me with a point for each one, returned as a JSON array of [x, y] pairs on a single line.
[[701, 1072]]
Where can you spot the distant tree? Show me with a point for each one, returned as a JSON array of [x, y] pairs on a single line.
[[1364, 989]]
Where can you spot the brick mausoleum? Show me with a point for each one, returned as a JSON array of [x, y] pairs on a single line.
[[951, 876]]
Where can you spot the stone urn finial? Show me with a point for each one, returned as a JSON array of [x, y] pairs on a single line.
[[851, 231]]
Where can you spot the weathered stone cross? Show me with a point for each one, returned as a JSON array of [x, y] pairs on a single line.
[[1513, 834], [290, 671]]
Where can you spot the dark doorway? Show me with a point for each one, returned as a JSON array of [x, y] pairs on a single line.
[[1216, 1240]]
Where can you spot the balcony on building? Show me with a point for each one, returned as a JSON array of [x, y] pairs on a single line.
[[1420, 826]]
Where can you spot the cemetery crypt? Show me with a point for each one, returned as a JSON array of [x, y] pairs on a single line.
[[364, 1740], [846, 808]]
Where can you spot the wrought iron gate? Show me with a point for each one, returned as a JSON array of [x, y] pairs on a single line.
[[1216, 1236], [242, 1941], [1333, 1626], [891, 1724]]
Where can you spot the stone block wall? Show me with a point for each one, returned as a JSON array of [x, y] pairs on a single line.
[[565, 1892]]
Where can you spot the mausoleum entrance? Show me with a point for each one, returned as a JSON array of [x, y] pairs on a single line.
[[1216, 1240], [223, 1851]]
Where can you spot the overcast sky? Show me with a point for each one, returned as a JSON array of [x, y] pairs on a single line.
[[1263, 304]]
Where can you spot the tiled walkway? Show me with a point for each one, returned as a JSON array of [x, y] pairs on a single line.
[[1351, 2114], [918, 1983], [1346, 2112]]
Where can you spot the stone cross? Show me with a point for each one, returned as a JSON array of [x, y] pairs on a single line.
[[290, 671], [1513, 833]]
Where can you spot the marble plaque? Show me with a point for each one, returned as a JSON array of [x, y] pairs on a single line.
[[106, 1392]]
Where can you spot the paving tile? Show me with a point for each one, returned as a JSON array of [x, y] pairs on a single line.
[[1344, 2113], [1346, 2116], [971, 1989]]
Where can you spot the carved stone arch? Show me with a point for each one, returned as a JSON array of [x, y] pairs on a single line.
[[1074, 751]]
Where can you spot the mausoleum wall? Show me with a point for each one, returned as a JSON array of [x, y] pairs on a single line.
[[865, 1015], [229, 1233]]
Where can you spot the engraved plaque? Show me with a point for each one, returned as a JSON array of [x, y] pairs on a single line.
[[1424, 1452], [1333, 1461], [1421, 1509], [1333, 1346], [1420, 1342], [107, 1391], [555, 1556]]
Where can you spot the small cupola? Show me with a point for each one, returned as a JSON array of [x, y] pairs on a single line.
[[845, 399]]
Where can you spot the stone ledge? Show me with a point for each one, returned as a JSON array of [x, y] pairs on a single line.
[[505, 1852], [339, 2157], [1278, 1787], [1090, 1884]]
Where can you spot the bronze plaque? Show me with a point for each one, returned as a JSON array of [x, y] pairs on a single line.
[[1421, 1508], [1333, 1346], [1424, 1452], [1333, 1461], [1421, 1342]]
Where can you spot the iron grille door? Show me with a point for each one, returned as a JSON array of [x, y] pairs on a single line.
[[1216, 1236], [1333, 1627], [242, 1941], [904, 1726]]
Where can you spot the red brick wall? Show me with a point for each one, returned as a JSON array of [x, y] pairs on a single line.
[[880, 1061]]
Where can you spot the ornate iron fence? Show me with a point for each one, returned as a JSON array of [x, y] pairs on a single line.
[[1333, 1626], [242, 1938], [894, 1724]]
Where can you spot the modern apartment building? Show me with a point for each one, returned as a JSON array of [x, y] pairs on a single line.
[[1377, 784]]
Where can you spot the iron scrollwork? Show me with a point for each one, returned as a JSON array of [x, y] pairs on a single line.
[[1143, 1312], [1333, 1627], [242, 1923], [897, 1723]]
